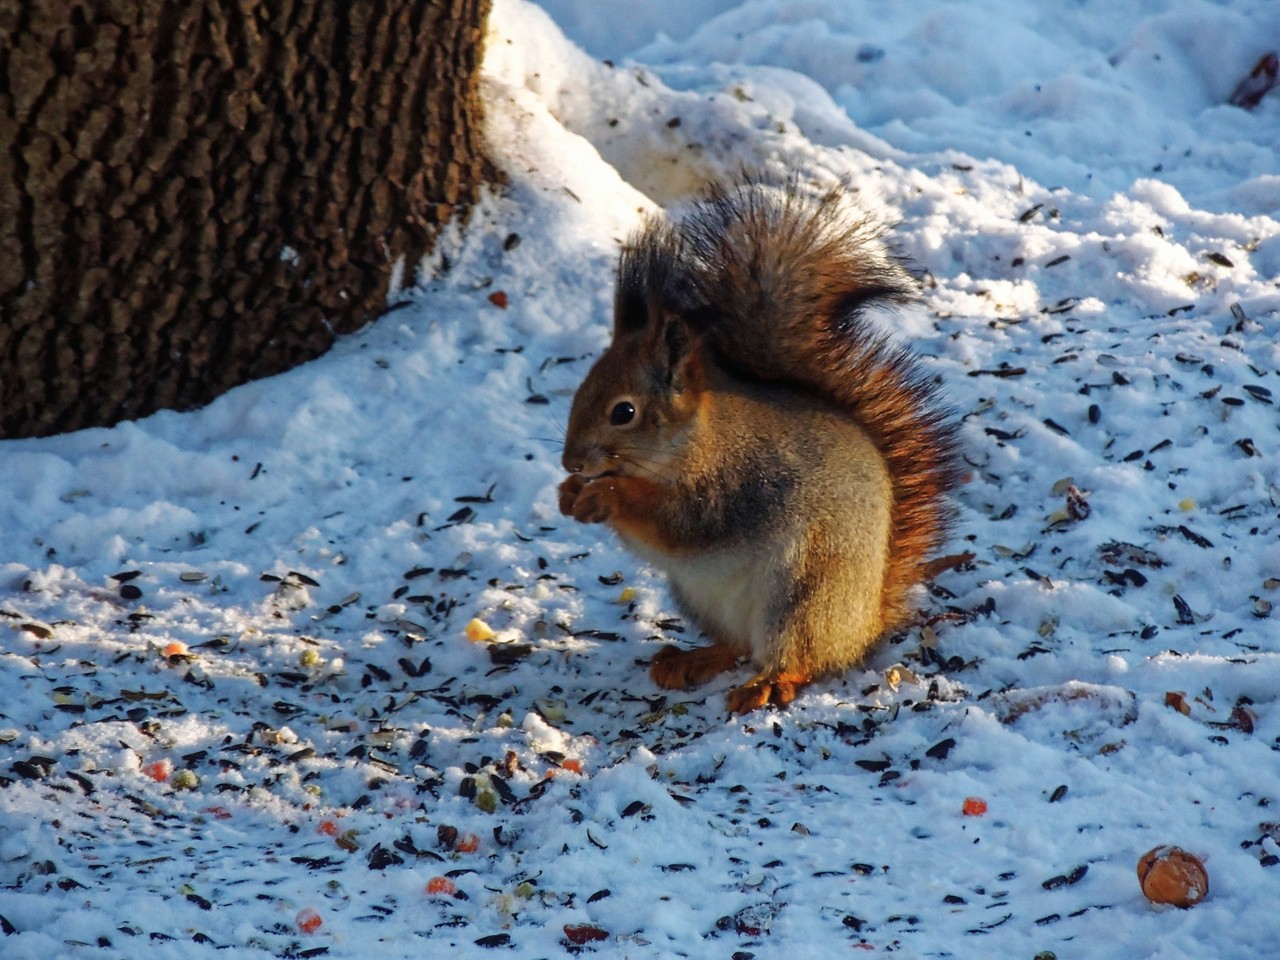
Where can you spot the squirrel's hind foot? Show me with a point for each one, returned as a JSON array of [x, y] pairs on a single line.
[[677, 669], [778, 688]]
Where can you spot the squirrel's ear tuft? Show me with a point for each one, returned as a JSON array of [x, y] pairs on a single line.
[[630, 310], [633, 289], [650, 275]]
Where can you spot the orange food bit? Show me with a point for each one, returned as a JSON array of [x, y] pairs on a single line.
[[1172, 875], [159, 770], [974, 806], [176, 649], [572, 765], [308, 920], [468, 844], [328, 828], [441, 887]]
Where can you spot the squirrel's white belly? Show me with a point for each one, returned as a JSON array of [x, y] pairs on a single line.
[[729, 594]]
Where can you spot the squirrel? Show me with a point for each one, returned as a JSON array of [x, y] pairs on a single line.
[[751, 433]]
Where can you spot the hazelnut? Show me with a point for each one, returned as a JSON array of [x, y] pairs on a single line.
[[1171, 875]]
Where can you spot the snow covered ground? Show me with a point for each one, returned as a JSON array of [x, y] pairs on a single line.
[[240, 714]]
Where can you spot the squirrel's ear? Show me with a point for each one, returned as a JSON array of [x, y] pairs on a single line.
[[679, 352]]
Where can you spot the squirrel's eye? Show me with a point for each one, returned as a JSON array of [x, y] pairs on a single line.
[[623, 412]]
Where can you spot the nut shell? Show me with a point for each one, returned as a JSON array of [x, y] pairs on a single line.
[[1171, 875]]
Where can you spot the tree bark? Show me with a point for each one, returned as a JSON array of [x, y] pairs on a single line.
[[193, 195]]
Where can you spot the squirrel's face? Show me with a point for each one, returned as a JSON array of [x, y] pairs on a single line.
[[633, 411]]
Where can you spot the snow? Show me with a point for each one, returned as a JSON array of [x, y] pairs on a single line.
[[320, 541]]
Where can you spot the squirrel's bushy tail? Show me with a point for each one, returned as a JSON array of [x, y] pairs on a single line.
[[779, 282]]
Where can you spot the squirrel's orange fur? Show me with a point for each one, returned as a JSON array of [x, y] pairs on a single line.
[[752, 434]]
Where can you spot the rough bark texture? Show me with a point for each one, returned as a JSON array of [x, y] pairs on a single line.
[[193, 195]]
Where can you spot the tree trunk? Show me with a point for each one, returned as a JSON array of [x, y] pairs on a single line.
[[193, 195]]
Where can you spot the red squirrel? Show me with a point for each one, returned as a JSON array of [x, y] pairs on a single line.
[[753, 435]]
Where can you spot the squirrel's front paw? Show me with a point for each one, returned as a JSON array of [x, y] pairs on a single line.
[[594, 502], [570, 487]]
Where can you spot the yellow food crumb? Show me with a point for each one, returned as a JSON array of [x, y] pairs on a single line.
[[477, 631], [627, 595], [1186, 504]]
